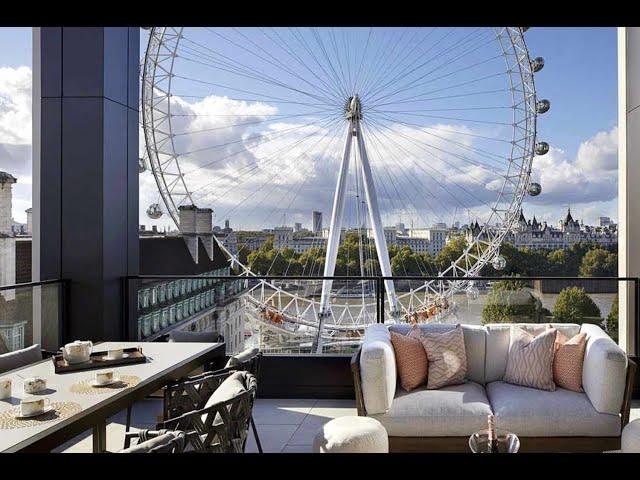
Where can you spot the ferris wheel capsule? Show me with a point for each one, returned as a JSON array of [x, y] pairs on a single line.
[[499, 262], [542, 148], [543, 106], [154, 211], [537, 64], [534, 189], [142, 165]]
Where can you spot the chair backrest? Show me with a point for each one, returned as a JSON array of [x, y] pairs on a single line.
[[248, 360], [162, 441], [20, 358], [191, 394], [223, 425]]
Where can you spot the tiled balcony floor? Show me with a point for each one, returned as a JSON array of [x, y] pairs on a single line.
[[286, 426]]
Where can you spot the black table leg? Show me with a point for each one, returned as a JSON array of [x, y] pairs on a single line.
[[100, 437]]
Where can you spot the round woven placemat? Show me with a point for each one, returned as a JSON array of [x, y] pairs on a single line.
[[85, 388], [61, 410]]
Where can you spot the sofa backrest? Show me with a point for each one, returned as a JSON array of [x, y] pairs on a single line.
[[497, 344], [474, 345]]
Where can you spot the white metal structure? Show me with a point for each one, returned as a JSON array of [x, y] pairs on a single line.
[[444, 121]]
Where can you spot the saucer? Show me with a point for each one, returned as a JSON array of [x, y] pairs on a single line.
[[46, 409], [124, 355], [98, 385]]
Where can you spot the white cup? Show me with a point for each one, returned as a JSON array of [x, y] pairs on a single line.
[[34, 384], [33, 405], [102, 378], [115, 354], [5, 388]]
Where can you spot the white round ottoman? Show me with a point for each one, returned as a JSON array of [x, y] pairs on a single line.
[[631, 437], [352, 435]]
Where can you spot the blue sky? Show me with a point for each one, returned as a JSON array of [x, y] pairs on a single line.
[[579, 78]]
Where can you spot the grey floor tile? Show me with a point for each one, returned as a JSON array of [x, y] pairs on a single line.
[[272, 437], [281, 411], [297, 449]]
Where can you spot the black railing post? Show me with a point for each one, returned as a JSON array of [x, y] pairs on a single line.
[[126, 334], [636, 312]]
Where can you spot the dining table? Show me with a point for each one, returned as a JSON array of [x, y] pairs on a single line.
[[79, 407]]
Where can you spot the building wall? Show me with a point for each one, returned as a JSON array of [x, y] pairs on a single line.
[[23, 260]]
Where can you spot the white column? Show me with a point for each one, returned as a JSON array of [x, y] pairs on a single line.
[[376, 221], [628, 178], [335, 228]]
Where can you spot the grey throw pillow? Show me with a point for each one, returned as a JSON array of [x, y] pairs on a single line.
[[530, 360]]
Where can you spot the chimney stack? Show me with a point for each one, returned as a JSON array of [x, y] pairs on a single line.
[[6, 186], [197, 223]]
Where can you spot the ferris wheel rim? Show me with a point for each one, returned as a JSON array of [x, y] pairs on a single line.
[[513, 46]]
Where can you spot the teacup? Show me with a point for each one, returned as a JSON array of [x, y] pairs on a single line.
[[115, 354], [104, 378], [5, 388], [33, 405], [34, 384]]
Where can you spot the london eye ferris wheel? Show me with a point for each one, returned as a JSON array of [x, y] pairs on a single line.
[[374, 125]]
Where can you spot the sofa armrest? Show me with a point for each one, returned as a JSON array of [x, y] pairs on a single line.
[[377, 369], [604, 373]]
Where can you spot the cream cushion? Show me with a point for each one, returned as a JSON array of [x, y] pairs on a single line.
[[455, 410], [530, 412], [603, 371], [530, 361], [351, 435]]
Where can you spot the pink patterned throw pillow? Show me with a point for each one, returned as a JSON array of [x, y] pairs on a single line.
[[446, 354], [568, 360], [411, 360]]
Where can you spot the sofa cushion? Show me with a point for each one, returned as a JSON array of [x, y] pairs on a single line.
[[20, 358], [529, 412], [446, 355], [411, 360], [497, 347], [530, 361], [452, 411], [568, 360], [474, 344]]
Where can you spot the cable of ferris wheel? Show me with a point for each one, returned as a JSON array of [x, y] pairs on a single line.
[[372, 134], [263, 79], [243, 140], [412, 68], [254, 122], [424, 164], [273, 158], [445, 97], [415, 82], [291, 53], [442, 89], [276, 64], [490, 156], [339, 80], [291, 167], [202, 97], [239, 68]]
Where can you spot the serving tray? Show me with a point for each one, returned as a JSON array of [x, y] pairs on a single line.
[[99, 360]]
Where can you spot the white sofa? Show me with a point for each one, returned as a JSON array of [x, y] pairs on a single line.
[[443, 419]]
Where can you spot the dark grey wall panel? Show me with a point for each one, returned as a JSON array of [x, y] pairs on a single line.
[[133, 97], [51, 61], [83, 62], [116, 64], [89, 153]]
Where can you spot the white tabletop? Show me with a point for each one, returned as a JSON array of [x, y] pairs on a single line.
[[162, 359]]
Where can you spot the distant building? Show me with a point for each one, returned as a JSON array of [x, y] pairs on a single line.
[[316, 223], [540, 235], [297, 227], [189, 304], [7, 234]]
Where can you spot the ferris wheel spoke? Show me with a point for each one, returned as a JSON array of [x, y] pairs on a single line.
[[411, 69], [416, 82]]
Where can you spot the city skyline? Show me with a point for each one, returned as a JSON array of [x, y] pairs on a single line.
[[580, 168]]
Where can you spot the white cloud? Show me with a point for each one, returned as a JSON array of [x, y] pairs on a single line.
[[15, 105]]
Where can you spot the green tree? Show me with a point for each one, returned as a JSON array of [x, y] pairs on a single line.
[[510, 301], [612, 320], [573, 305], [451, 252], [599, 263]]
